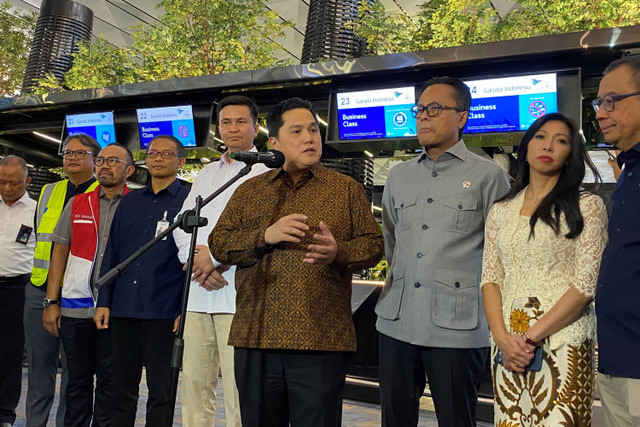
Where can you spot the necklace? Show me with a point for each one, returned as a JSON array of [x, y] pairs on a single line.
[[528, 196]]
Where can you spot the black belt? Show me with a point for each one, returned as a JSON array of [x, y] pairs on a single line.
[[21, 277]]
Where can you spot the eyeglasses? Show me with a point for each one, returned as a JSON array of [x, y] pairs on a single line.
[[609, 102], [111, 161], [433, 110], [68, 154], [165, 155]]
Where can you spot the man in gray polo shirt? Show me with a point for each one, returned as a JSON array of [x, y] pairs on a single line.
[[80, 239], [430, 313]]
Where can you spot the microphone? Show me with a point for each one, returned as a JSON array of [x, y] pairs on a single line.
[[271, 158]]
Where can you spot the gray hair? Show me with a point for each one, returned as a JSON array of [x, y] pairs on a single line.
[[13, 160]]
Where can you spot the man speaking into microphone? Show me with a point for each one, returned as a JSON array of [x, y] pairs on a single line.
[[212, 295], [295, 234]]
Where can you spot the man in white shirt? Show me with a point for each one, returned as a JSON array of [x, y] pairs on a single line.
[[212, 295], [17, 244]]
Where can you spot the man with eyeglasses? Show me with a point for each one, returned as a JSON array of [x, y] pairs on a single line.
[[80, 239], [43, 349], [142, 306], [430, 314], [212, 295], [618, 292]]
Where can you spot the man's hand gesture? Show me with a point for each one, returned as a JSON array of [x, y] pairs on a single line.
[[324, 252], [289, 228]]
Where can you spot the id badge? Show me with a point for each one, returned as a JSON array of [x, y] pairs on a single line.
[[162, 225], [24, 234]]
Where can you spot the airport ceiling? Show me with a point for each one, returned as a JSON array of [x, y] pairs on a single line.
[[34, 119], [113, 18]]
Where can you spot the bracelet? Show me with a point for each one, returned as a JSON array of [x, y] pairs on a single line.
[[528, 340]]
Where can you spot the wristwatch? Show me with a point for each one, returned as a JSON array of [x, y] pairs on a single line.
[[47, 302]]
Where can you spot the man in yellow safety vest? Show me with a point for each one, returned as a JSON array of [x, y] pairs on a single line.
[[42, 348]]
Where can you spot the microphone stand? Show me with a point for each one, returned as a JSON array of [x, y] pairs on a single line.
[[189, 221]]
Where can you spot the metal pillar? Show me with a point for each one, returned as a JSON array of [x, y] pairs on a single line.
[[60, 26], [326, 35]]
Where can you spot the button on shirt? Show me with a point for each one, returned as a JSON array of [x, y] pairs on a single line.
[[209, 179], [618, 289], [433, 223], [16, 258], [284, 303], [151, 287], [62, 235]]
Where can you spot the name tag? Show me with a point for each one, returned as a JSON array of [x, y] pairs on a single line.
[[24, 234], [162, 225]]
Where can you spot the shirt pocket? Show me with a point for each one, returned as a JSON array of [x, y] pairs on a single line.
[[388, 306], [456, 299], [461, 214], [405, 211]]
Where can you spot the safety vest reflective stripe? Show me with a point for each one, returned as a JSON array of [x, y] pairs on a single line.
[[50, 207], [45, 237], [41, 264]]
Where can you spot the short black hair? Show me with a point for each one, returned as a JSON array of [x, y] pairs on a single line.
[[274, 118], [631, 61], [129, 153], [179, 146], [461, 95], [239, 100], [86, 140]]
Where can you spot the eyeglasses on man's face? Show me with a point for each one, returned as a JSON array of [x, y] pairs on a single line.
[[111, 161], [433, 109], [80, 154], [609, 102], [165, 155]]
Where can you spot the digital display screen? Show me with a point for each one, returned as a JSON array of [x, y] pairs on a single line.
[[374, 114], [510, 104], [97, 125], [176, 121]]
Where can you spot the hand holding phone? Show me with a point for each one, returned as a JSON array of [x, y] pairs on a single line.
[[535, 365]]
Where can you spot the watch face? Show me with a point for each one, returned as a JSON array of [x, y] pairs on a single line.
[[47, 302]]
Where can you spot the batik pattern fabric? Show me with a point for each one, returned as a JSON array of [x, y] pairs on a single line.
[[560, 394], [282, 302], [533, 272]]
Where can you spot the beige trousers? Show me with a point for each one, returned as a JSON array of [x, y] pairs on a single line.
[[620, 398], [205, 353]]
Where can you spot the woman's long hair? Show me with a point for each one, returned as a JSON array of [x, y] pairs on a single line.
[[565, 196]]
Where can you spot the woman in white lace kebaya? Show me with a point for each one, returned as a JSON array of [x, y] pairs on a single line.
[[543, 243]]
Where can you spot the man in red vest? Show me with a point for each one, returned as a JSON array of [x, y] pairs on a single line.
[[79, 240]]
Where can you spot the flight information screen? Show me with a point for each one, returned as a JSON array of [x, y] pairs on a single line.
[[510, 104], [374, 114], [97, 125], [176, 121]]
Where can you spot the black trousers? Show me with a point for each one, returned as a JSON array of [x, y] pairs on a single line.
[[454, 378], [137, 343], [89, 353], [278, 387], [11, 344]]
